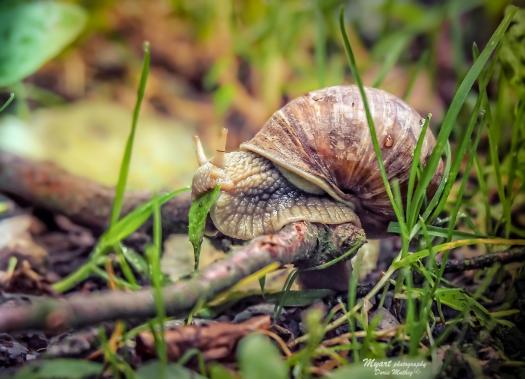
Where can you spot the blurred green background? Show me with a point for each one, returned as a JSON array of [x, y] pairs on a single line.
[[214, 64]]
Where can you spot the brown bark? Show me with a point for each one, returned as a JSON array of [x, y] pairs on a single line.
[[516, 254], [84, 201]]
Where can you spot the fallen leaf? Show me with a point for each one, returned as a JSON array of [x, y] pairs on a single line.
[[215, 341]]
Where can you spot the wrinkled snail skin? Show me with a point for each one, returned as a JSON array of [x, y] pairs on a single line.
[[313, 160], [257, 199]]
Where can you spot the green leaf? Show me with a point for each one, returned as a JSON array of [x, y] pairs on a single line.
[[260, 359], [154, 369], [459, 300], [31, 33], [135, 259], [59, 368], [197, 220]]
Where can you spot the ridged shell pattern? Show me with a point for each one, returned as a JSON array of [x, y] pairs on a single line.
[[325, 135]]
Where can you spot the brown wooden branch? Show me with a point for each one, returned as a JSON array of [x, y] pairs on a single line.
[[295, 243], [515, 254], [84, 201]]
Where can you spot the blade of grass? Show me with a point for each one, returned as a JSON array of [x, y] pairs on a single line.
[[416, 163], [459, 200], [292, 276], [438, 198], [7, 102], [483, 188], [513, 162], [465, 141], [153, 253], [135, 219], [437, 231], [126, 159], [122, 229], [458, 100], [320, 44], [394, 53], [352, 296], [422, 61], [373, 134]]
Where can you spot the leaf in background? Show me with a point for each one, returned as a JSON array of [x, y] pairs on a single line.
[[31, 33], [457, 299], [260, 359], [197, 220], [154, 370], [59, 368]]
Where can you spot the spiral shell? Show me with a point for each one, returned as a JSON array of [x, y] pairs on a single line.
[[324, 138]]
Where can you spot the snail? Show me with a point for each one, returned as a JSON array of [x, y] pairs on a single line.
[[313, 160]]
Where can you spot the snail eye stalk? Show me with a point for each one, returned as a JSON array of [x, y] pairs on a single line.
[[218, 159], [199, 150]]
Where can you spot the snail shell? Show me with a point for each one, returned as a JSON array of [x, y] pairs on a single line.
[[324, 138], [313, 160]]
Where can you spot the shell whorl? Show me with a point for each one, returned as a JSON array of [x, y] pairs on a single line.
[[324, 138]]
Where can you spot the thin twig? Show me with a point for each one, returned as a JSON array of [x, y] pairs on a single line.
[[515, 254], [296, 242]]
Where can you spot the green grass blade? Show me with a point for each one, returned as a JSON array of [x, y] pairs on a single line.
[[290, 280], [126, 159], [422, 61], [437, 231], [459, 99], [446, 179], [135, 219], [416, 163], [512, 164], [320, 44], [123, 228], [483, 188], [463, 183], [7, 102], [153, 253], [373, 134], [396, 49], [465, 141], [352, 299]]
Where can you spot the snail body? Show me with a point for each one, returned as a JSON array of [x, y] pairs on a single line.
[[313, 160]]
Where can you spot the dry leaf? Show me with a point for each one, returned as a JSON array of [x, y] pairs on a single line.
[[215, 341]]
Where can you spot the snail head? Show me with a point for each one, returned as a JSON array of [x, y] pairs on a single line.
[[257, 198], [210, 172]]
